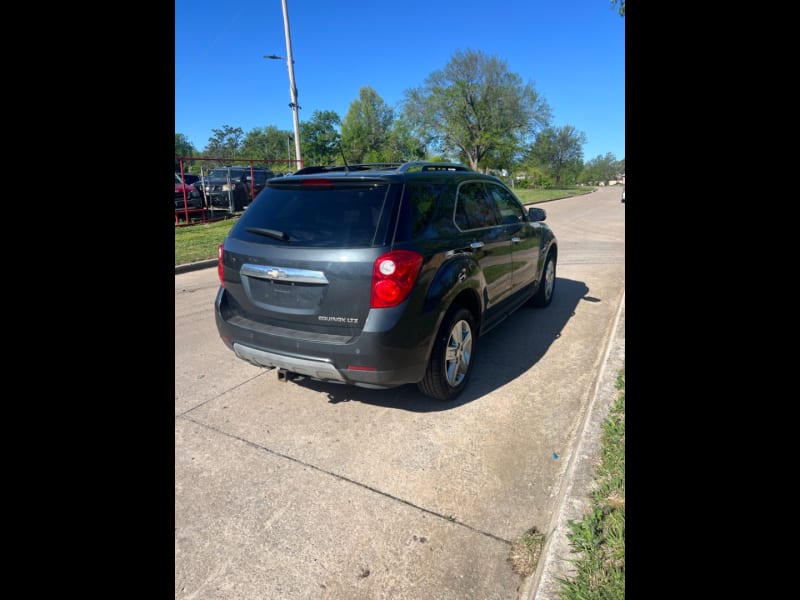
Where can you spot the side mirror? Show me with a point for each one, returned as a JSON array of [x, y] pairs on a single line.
[[536, 214]]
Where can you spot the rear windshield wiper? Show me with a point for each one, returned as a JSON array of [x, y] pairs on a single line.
[[273, 233]]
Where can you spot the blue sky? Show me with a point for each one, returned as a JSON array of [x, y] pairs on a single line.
[[571, 51]]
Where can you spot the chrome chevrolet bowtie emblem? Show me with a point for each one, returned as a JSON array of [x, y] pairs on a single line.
[[275, 273]]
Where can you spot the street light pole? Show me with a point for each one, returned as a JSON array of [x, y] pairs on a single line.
[[292, 87]]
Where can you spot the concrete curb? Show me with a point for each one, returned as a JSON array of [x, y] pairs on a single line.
[[556, 562], [196, 266]]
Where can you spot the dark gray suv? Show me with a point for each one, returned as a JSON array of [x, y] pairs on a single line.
[[380, 275]]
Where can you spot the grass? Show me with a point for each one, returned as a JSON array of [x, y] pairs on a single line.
[[200, 241], [530, 196], [599, 538]]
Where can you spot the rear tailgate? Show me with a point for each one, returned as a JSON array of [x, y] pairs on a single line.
[[301, 257], [297, 289]]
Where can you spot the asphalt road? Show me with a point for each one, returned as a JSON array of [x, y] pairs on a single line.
[[287, 490]]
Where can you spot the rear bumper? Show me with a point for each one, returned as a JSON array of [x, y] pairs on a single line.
[[382, 359]]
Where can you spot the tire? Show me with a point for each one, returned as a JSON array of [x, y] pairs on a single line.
[[240, 200], [452, 357], [544, 295]]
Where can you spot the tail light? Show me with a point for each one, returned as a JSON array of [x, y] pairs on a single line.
[[220, 267], [393, 277]]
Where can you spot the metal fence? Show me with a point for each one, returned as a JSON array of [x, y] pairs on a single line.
[[207, 213]]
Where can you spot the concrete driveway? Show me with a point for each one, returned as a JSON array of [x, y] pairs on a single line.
[[311, 490]]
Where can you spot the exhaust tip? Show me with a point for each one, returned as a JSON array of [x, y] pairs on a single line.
[[284, 375]]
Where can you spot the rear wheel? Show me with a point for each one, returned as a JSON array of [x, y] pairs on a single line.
[[451, 359]]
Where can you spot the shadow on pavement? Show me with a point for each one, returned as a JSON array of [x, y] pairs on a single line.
[[502, 356]]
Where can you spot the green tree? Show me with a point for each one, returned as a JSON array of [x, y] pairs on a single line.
[[505, 155], [401, 143], [268, 143], [365, 128], [319, 138], [601, 169], [183, 148], [224, 143], [560, 152], [475, 108], [619, 5]]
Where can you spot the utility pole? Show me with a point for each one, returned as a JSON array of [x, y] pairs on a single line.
[[292, 87]]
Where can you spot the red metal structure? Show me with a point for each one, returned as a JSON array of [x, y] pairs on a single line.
[[206, 214]]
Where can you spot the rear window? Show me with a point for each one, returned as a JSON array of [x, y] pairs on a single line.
[[346, 215]]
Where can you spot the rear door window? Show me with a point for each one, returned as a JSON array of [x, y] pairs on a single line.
[[475, 209]]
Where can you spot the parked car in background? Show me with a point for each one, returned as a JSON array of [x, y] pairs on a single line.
[[623, 195], [380, 275], [191, 178], [187, 195], [260, 177], [234, 187]]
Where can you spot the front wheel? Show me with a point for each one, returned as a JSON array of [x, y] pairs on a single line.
[[450, 364], [242, 200], [544, 295]]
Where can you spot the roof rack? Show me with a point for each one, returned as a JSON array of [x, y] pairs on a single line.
[[406, 167], [421, 165], [347, 168]]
